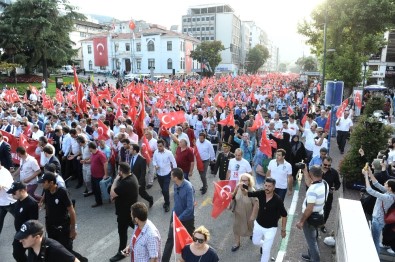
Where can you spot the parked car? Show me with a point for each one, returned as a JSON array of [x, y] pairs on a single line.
[[66, 70]]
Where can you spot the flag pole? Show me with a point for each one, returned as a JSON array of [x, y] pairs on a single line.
[[174, 239]]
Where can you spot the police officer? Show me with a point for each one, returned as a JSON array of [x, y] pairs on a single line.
[[60, 216], [26, 208], [41, 248], [223, 160]]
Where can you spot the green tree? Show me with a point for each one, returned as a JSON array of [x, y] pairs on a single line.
[[355, 29], [308, 63], [256, 57], [37, 32], [282, 67], [208, 53]]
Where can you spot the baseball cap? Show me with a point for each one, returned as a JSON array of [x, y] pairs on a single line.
[[28, 228], [16, 186], [48, 176]]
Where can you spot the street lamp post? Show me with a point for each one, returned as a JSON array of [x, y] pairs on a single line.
[[324, 58], [364, 74]]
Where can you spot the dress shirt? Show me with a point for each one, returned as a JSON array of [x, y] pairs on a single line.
[[148, 243], [43, 159], [184, 200], [5, 184], [75, 147], [27, 169], [153, 144], [206, 150], [165, 161], [37, 135], [66, 144]]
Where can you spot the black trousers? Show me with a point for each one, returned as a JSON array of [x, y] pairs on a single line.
[[18, 251], [96, 189], [61, 234], [77, 170], [189, 226], [124, 221], [341, 139], [328, 206]]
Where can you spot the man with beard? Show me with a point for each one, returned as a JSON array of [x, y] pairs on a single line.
[[266, 223]]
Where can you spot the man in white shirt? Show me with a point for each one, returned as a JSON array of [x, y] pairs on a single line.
[[207, 154], [320, 141], [343, 128], [6, 200], [238, 166], [151, 169], [164, 162], [36, 133], [28, 171], [281, 171], [309, 134], [42, 142]]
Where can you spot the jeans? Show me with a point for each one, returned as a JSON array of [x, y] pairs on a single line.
[[377, 228], [189, 226], [260, 180], [281, 192], [203, 174], [3, 212], [164, 183], [186, 176], [268, 235], [310, 233]]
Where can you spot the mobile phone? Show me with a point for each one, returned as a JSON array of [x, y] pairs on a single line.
[[384, 158], [245, 186]]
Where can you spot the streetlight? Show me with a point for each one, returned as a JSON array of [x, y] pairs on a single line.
[[364, 73]]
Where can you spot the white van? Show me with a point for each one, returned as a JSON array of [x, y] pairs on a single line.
[[66, 70]]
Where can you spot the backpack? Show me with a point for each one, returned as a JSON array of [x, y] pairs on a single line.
[[389, 217]]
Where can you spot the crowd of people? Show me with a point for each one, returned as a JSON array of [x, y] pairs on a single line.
[[105, 145]]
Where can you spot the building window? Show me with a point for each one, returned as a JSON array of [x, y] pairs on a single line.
[[90, 65], [212, 38], [138, 47], [189, 19], [169, 45], [198, 29], [82, 34], [212, 28], [103, 68], [127, 47], [184, 20], [203, 28], [182, 63], [198, 19], [212, 18], [198, 38], [150, 46], [193, 29], [151, 63], [182, 46], [169, 63], [207, 28], [138, 64], [89, 49], [185, 30], [116, 47]]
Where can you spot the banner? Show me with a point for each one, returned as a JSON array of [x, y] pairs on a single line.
[[100, 53]]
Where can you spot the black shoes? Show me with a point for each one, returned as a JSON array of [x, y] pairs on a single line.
[[117, 257], [204, 190], [148, 186], [305, 257], [235, 248], [151, 202], [96, 205], [167, 208], [323, 230], [86, 194]]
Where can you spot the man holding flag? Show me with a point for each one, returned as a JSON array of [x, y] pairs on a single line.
[[184, 209]]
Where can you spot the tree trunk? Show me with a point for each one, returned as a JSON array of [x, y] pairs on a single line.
[[45, 69]]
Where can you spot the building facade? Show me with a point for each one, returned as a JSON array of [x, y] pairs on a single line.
[[155, 48]]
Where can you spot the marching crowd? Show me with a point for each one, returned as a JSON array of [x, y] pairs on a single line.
[[256, 131]]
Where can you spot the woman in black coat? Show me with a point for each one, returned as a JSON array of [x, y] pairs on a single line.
[[298, 153]]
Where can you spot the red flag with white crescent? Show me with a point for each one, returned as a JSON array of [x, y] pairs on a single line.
[[94, 101], [100, 51], [181, 235], [102, 131], [222, 197], [29, 145], [199, 161], [258, 122], [59, 96], [341, 108], [266, 146], [358, 99], [139, 123], [290, 111], [328, 122], [146, 150], [304, 118], [119, 113], [172, 119], [219, 99]]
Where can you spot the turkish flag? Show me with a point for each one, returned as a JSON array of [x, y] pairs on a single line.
[[231, 104], [59, 96], [328, 122], [265, 146], [199, 161], [358, 99], [13, 96], [146, 150], [118, 99], [81, 99], [132, 25], [100, 52], [139, 123], [172, 119], [94, 100], [228, 121], [290, 111], [221, 199], [252, 96], [102, 130], [304, 118], [10, 139], [258, 122], [207, 100], [105, 94], [341, 108], [192, 103], [47, 102], [219, 99], [119, 113], [181, 235]]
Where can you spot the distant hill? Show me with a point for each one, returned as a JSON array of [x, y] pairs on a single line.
[[102, 19]]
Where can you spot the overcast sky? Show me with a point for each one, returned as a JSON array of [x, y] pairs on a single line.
[[278, 18]]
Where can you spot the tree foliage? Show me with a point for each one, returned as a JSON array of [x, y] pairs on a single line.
[[282, 67], [308, 63], [37, 32], [256, 57], [370, 135], [208, 52], [355, 29]]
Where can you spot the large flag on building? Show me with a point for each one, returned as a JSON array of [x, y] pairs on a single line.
[[100, 52]]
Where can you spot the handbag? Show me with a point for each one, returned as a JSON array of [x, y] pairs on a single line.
[[389, 217], [105, 186], [316, 219]]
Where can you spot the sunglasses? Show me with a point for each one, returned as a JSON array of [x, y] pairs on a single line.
[[200, 241]]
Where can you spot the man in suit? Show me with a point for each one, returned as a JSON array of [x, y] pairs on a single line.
[[5, 153], [138, 165], [6, 126], [222, 162], [36, 121]]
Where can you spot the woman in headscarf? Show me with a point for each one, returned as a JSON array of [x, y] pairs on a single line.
[[298, 153]]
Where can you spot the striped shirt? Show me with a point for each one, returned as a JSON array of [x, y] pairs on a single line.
[[316, 195]]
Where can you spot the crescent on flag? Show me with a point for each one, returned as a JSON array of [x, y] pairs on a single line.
[[164, 120], [100, 130], [97, 48], [225, 192]]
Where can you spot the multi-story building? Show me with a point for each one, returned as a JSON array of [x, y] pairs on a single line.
[[145, 49], [217, 22]]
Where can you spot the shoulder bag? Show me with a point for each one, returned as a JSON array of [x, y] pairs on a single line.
[[316, 219]]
